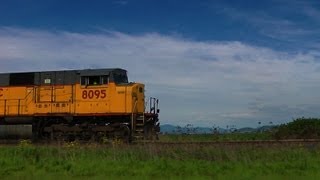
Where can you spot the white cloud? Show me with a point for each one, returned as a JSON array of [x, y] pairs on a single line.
[[199, 83]]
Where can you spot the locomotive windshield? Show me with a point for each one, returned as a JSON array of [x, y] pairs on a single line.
[[94, 80], [120, 78], [102, 77]]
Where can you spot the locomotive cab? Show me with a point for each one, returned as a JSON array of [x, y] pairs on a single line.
[[126, 99]]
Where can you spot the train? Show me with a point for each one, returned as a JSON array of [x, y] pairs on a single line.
[[83, 104]]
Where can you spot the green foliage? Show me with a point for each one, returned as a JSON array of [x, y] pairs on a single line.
[[301, 128]]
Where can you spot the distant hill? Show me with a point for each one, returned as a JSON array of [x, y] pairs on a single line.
[[246, 130], [167, 128], [266, 128], [171, 129]]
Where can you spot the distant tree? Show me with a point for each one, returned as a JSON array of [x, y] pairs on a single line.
[[190, 129], [178, 129]]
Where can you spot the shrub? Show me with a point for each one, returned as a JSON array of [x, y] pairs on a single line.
[[301, 128]]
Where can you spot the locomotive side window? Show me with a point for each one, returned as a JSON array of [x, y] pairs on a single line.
[[83, 80], [105, 79], [94, 80]]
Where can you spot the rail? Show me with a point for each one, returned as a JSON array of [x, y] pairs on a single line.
[[264, 143], [233, 143]]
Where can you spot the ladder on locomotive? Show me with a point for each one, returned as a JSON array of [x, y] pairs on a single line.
[[141, 119]]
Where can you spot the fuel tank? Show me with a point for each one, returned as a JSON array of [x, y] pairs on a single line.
[[15, 131]]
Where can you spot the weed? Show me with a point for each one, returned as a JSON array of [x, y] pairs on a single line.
[[154, 161]]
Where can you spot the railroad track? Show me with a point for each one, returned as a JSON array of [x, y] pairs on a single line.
[[288, 141], [248, 142], [185, 143]]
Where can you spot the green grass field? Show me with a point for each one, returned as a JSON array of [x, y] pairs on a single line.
[[216, 137], [159, 162]]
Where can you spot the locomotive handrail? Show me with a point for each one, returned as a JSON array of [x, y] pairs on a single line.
[[132, 115], [31, 92], [154, 105]]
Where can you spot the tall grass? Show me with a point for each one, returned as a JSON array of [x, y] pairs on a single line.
[[154, 161], [217, 137]]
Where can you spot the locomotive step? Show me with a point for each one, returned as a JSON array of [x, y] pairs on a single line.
[[139, 130]]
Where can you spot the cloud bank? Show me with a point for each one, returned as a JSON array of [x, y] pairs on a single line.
[[202, 83]]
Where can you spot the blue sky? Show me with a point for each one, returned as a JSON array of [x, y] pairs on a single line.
[[210, 62]]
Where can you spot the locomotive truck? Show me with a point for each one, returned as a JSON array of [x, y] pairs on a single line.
[[88, 104]]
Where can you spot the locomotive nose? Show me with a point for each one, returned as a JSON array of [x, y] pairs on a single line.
[[138, 97]]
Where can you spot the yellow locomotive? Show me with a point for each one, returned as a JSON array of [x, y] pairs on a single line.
[[76, 104]]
